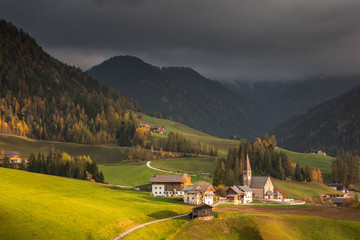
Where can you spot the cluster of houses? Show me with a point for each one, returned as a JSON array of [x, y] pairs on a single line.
[[154, 129], [14, 157], [200, 193], [318, 152]]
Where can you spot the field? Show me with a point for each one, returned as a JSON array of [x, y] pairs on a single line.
[[313, 161], [222, 144], [302, 189], [36, 206], [132, 174], [235, 225], [188, 165], [101, 154]]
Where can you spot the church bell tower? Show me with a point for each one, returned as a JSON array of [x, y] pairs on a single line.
[[247, 172]]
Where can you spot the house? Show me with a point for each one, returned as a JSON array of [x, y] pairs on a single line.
[[262, 187], [321, 153], [202, 211], [340, 201], [239, 194], [157, 129], [338, 186], [278, 195], [205, 175], [199, 192], [169, 185], [14, 157], [333, 195], [146, 126]]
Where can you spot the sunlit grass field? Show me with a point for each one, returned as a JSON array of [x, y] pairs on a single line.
[[37, 206]]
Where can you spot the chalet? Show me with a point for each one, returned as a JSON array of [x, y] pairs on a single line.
[[202, 211], [333, 195], [169, 185], [321, 153], [338, 186], [14, 157], [157, 129], [239, 194], [262, 187], [340, 201], [278, 195], [199, 192], [146, 126], [205, 175]]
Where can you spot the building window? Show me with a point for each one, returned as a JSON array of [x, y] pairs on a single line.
[[155, 192], [155, 187]]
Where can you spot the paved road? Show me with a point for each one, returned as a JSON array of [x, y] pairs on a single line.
[[145, 224]]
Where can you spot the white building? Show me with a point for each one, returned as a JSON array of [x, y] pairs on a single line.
[[239, 194], [169, 185], [199, 192]]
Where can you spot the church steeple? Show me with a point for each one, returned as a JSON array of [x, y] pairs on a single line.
[[247, 172]]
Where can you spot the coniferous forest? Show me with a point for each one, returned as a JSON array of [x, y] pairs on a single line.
[[346, 169], [43, 98], [265, 160]]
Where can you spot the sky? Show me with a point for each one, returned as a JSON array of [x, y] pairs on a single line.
[[226, 40]]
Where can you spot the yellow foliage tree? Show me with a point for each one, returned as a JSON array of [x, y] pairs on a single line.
[[314, 176]]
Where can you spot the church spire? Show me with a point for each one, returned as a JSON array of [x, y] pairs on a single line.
[[247, 173]]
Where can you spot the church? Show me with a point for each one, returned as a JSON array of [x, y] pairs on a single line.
[[262, 187]]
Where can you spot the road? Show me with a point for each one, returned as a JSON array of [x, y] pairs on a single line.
[[167, 171], [145, 224]]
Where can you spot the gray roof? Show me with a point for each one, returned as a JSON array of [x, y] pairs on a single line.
[[203, 205], [277, 194], [166, 178], [245, 188], [339, 200], [198, 186], [258, 182], [231, 195], [236, 189], [269, 193]]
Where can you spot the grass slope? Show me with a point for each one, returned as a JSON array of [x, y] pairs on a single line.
[[133, 174], [36, 206], [99, 153], [232, 225], [302, 189], [188, 165], [222, 144]]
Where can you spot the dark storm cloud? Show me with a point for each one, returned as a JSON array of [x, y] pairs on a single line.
[[223, 39]]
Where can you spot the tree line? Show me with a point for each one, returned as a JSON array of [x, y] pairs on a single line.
[[62, 164], [264, 161], [346, 169]]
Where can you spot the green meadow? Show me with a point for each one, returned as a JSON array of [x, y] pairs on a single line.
[[37, 206], [188, 165], [222, 144], [99, 153], [302, 189], [231, 225]]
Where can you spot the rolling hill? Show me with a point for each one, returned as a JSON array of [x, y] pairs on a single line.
[[332, 126], [37, 206], [182, 93]]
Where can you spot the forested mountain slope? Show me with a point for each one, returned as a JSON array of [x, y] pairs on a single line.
[[333, 126], [43, 98], [184, 95]]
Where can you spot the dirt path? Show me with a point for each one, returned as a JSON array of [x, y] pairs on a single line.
[[145, 224], [161, 170], [328, 212]]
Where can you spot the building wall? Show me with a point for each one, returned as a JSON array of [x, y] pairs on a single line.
[[158, 190], [258, 192], [247, 197]]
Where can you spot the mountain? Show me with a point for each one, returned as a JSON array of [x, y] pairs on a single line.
[[333, 126], [41, 97], [286, 99], [182, 94]]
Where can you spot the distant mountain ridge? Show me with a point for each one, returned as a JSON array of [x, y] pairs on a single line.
[[182, 93], [333, 126]]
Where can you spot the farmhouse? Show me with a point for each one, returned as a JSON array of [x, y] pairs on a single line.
[[239, 194], [169, 185], [338, 186], [157, 129], [146, 126], [262, 187], [202, 211], [14, 157], [199, 192]]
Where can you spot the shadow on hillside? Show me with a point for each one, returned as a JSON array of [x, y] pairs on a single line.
[[162, 214]]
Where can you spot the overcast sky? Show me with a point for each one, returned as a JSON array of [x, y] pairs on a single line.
[[222, 39]]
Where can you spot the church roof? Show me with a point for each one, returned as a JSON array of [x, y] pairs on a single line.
[[258, 182]]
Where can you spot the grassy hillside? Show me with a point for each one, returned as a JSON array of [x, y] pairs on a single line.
[[230, 225], [188, 165], [302, 189], [36, 206], [99, 153], [222, 144], [132, 174]]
